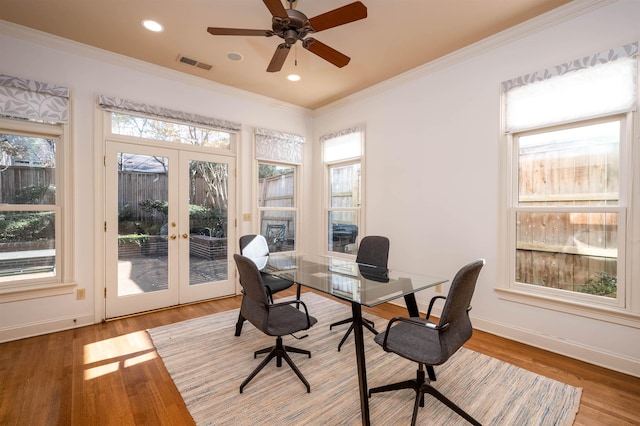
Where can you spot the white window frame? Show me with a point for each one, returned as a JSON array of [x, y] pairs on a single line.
[[359, 209], [625, 309], [63, 281], [296, 197]]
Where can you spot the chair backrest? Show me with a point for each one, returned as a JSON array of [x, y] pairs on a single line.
[[254, 246], [373, 250], [456, 308], [255, 302]]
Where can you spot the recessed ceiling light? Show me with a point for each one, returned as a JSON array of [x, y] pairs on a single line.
[[152, 26], [293, 77], [233, 56]]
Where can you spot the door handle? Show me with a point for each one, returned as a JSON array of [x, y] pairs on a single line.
[[172, 236], [185, 236]]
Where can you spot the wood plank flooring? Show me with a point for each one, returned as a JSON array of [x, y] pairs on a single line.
[[109, 374]]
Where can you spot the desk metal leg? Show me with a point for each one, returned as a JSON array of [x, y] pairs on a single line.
[[360, 359]]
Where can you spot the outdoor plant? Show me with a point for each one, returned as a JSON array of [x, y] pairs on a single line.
[[601, 285], [26, 226]]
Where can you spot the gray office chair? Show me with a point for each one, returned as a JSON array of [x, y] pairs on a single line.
[[273, 319], [374, 251], [428, 343], [256, 248]]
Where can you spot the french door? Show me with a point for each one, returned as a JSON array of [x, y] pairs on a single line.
[[168, 221]]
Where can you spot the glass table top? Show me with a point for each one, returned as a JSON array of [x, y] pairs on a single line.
[[364, 284]]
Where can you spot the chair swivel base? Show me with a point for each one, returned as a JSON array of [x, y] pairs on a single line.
[[422, 387], [367, 323], [279, 351]]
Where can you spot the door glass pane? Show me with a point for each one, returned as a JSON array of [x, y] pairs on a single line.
[[143, 210], [208, 218], [167, 131], [343, 231]]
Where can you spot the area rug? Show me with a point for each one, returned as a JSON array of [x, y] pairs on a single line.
[[208, 363]]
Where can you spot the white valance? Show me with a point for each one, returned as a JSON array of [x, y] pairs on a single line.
[[33, 100], [593, 86], [123, 105], [272, 145], [343, 144]]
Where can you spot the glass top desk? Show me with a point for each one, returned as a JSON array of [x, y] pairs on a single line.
[[362, 285]]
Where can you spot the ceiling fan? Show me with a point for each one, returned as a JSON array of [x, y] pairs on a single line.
[[292, 25]]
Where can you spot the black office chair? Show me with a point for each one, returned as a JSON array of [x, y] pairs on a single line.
[[374, 251], [273, 319], [256, 248], [427, 343]]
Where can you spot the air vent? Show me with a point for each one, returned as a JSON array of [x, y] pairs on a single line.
[[194, 63]]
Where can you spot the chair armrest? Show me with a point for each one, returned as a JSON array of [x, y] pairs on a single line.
[[418, 322], [433, 299], [298, 304]]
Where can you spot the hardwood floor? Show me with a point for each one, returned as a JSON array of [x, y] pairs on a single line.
[[109, 374]]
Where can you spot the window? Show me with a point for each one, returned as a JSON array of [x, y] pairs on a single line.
[[278, 158], [277, 205], [36, 244], [162, 130], [31, 195], [569, 150], [342, 156]]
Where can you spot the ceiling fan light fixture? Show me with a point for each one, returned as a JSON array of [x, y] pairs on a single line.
[[152, 25], [293, 77]]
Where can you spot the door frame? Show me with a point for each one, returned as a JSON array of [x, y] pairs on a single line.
[[103, 133]]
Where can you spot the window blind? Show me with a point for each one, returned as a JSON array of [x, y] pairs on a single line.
[[33, 100], [593, 86], [278, 146], [123, 105]]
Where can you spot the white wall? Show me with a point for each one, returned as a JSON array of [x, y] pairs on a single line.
[[432, 163], [88, 72], [432, 139]]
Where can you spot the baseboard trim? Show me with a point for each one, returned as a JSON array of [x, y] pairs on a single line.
[[591, 355], [24, 331], [574, 350]]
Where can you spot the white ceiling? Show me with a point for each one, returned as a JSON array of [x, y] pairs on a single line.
[[396, 36]]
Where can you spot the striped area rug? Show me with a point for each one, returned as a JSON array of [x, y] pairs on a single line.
[[208, 363]]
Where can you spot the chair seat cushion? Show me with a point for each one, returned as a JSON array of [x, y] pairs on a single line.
[[274, 283], [414, 342], [287, 319]]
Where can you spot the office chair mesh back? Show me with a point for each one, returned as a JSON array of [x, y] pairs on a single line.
[[373, 250], [456, 309], [255, 300]]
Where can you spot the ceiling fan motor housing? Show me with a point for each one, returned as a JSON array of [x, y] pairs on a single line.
[[293, 29]]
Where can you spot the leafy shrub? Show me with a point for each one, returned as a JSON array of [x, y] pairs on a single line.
[[33, 194], [601, 285], [27, 226]]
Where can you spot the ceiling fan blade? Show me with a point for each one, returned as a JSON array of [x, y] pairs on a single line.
[[325, 52], [238, 32], [276, 8], [340, 16], [279, 57]]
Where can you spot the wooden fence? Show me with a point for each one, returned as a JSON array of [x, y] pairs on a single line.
[[564, 250], [18, 182]]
